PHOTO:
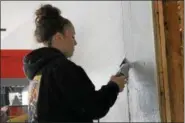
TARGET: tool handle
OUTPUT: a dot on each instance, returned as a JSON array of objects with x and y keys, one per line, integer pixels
[
  {"x": 119, "y": 74},
  {"x": 124, "y": 70}
]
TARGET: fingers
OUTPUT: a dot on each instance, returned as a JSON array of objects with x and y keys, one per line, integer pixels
[
  {"x": 126, "y": 79},
  {"x": 122, "y": 77},
  {"x": 112, "y": 77},
  {"x": 120, "y": 81}
]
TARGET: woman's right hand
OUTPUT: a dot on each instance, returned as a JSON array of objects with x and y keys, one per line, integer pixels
[{"x": 120, "y": 81}]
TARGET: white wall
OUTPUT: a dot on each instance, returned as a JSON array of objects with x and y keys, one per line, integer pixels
[{"x": 106, "y": 32}]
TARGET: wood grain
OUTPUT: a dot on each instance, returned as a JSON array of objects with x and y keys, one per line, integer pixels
[
  {"x": 169, "y": 40},
  {"x": 175, "y": 60},
  {"x": 160, "y": 43}
]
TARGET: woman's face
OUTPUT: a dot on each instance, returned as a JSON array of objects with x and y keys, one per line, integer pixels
[
  {"x": 69, "y": 41},
  {"x": 66, "y": 42}
]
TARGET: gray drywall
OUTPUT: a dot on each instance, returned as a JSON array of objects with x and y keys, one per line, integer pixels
[
  {"x": 139, "y": 48},
  {"x": 106, "y": 31}
]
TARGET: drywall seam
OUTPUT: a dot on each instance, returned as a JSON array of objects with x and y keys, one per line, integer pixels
[
  {"x": 128, "y": 93},
  {"x": 128, "y": 103}
]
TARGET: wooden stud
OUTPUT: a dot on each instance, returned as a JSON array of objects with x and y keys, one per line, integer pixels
[
  {"x": 175, "y": 60},
  {"x": 160, "y": 44},
  {"x": 169, "y": 34}
]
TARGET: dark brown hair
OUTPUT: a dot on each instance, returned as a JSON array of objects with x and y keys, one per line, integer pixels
[{"x": 48, "y": 22}]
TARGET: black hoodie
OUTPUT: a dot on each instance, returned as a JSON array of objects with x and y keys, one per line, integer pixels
[{"x": 66, "y": 93}]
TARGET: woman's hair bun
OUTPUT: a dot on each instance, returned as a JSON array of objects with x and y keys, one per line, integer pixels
[
  {"x": 48, "y": 22},
  {"x": 47, "y": 11}
]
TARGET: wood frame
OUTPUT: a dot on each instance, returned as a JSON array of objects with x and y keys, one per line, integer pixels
[{"x": 170, "y": 58}]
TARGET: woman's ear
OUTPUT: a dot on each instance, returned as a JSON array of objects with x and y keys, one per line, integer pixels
[{"x": 58, "y": 36}]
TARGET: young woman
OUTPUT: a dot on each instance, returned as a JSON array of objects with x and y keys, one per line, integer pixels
[{"x": 60, "y": 90}]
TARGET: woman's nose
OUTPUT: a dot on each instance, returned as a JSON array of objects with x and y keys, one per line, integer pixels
[{"x": 75, "y": 42}]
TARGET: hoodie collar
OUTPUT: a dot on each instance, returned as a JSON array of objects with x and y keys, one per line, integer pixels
[{"x": 37, "y": 59}]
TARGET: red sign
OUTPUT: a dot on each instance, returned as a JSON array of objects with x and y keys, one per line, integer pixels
[{"x": 12, "y": 63}]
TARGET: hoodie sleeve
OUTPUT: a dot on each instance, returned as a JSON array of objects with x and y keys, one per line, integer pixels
[{"x": 80, "y": 94}]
